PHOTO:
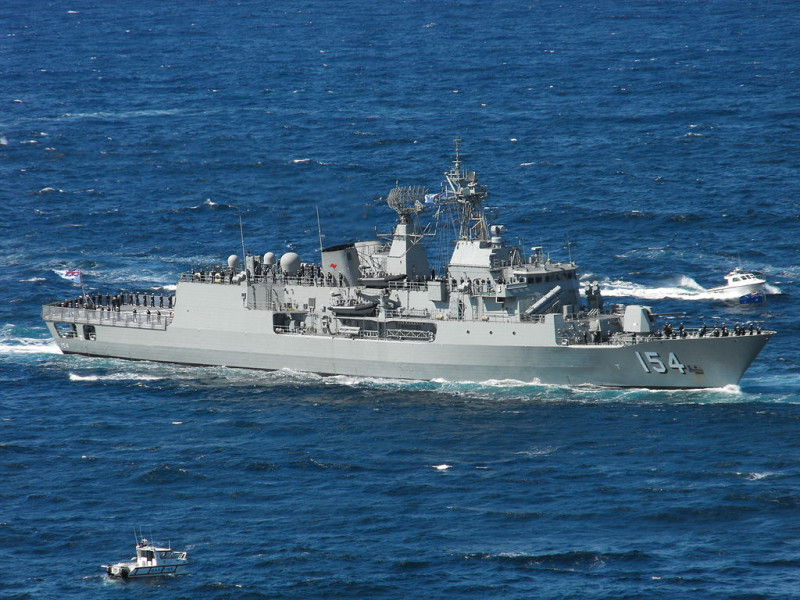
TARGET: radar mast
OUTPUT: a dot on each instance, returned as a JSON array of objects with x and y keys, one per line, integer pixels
[
  {"x": 407, "y": 200},
  {"x": 463, "y": 188}
]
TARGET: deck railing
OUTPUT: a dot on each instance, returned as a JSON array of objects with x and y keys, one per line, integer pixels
[{"x": 123, "y": 318}]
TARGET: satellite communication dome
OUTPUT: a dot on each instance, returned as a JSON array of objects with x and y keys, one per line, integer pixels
[
  {"x": 233, "y": 262},
  {"x": 290, "y": 263},
  {"x": 269, "y": 259}
]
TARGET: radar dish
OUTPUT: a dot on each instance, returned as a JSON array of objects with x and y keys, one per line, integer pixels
[{"x": 406, "y": 200}]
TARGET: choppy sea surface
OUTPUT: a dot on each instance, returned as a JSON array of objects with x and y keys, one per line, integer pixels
[{"x": 656, "y": 143}]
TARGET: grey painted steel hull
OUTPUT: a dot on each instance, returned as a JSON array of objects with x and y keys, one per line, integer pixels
[{"x": 210, "y": 326}]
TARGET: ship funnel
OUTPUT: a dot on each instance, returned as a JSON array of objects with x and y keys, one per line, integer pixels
[{"x": 341, "y": 262}]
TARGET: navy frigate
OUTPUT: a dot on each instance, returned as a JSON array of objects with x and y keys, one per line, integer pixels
[{"x": 379, "y": 308}]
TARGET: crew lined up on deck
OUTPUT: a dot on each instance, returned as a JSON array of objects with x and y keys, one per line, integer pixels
[
  {"x": 114, "y": 303},
  {"x": 313, "y": 274}
]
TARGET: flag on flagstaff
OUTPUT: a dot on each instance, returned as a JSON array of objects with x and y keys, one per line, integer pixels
[{"x": 73, "y": 275}]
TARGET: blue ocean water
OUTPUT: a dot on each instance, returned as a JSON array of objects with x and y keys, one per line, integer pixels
[{"x": 657, "y": 143}]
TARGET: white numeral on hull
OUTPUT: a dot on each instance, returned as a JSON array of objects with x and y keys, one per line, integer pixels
[{"x": 652, "y": 363}]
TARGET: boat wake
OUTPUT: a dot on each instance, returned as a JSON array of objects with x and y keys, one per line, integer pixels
[
  {"x": 124, "y": 376},
  {"x": 28, "y": 346},
  {"x": 685, "y": 288},
  {"x": 525, "y": 391}
]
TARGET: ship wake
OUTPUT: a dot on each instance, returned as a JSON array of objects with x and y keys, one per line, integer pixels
[{"x": 685, "y": 288}]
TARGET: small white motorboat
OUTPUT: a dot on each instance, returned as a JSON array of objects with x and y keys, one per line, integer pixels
[
  {"x": 740, "y": 285},
  {"x": 150, "y": 561}
]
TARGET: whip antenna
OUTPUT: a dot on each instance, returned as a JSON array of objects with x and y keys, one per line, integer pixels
[
  {"x": 319, "y": 231},
  {"x": 241, "y": 232}
]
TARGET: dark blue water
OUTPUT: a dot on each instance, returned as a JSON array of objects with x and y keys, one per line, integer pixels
[{"x": 657, "y": 142}]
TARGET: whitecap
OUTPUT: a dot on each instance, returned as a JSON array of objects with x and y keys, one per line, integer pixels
[
  {"x": 756, "y": 476},
  {"x": 74, "y": 377},
  {"x": 537, "y": 451}
]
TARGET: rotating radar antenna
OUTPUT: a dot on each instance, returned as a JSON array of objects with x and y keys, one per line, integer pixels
[{"x": 407, "y": 200}]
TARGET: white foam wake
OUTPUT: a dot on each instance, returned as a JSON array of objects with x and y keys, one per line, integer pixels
[
  {"x": 685, "y": 288},
  {"x": 10, "y": 346},
  {"x": 115, "y": 377}
]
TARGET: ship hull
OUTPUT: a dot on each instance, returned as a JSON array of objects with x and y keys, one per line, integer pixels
[
  {"x": 130, "y": 571},
  {"x": 206, "y": 333},
  {"x": 602, "y": 366}
]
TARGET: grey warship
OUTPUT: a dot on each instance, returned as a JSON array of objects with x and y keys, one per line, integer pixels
[{"x": 378, "y": 309}]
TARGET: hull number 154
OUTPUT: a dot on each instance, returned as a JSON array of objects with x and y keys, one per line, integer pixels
[{"x": 653, "y": 363}]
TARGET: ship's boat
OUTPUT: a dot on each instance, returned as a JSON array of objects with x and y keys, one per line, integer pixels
[
  {"x": 741, "y": 285},
  {"x": 738, "y": 283},
  {"x": 380, "y": 281},
  {"x": 354, "y": 309}
]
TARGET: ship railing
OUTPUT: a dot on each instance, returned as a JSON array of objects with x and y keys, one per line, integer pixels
[
  {"x": 352, "y": 331},
  {"x": 534, "y": 318},
  {"x": 417, "y": 286},
  {"x": 269, "y": 304},
  {"x": 304, "y": 280},
  {"x": 593, "y": 314},
  {"x": 123, "y": 318},
  {"x": 629, "y": 339},
  {"x": 218, "y": 277},
  {"x": 414, "y": 313},
  {"x": 515, "y": 318},
  {"x": 308, "y": 280},
  {"x": 301, "y": 329},
  {"x": 408, "y": 334}
]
